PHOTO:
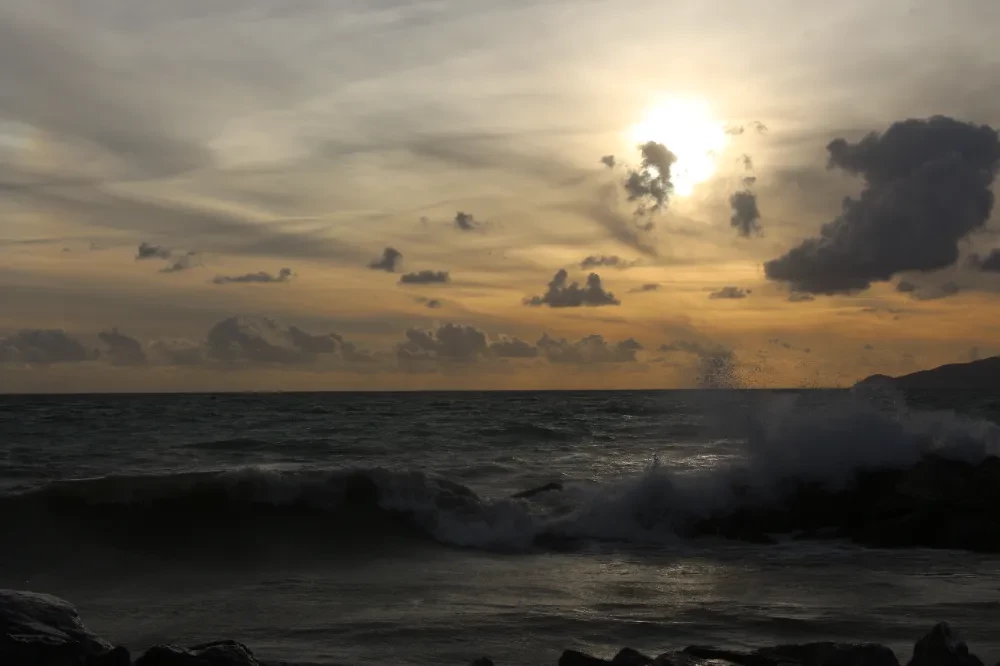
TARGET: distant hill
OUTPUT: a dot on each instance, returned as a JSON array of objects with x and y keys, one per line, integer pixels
[{"x": 984, "y": 374}]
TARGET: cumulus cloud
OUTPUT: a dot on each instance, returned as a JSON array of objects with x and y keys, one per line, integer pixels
[
  {"x": 564, "y": 294},
  {"x": 466, "y": 221},
  {"x": 746, "y": 216},
  {"x": 181, "y": 262},
  {"x": 643, "y": 288},
  {"x": 614, "y": 261},
  {"x": 426, "y": 277},
  {"x": 988, "y": 264},
  {"x": 450, "y": 342},
  {"x": 650, "y": 186},
  {"x": 906, "y": 287},
  {"x": 177, "y": 352},
  {"x": 149, "y": 251},
  {"x": 509, "y": 347},
  {"x": 730, "y": 292},
  {"x": 609, "y": 161},
  {"x": 591, "y": 349},
  {"x": 927, "y": 185},
  {"x": 122, "y": 349},
  {"x": 388, "y": 261},
  {"x": 44, "y": 346},
  {"x": 263, "y": 340},
  {"x": 260, "y": 277}
]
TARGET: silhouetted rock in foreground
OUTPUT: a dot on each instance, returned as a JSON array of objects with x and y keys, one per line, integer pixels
[
  {"x": 936, "y": 503},
  {"x": 41, "y": 630}
]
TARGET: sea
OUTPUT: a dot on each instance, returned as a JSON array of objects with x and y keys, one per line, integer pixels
[{"x": 186, "y": 518}]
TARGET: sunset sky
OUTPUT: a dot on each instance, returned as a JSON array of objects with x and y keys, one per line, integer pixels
[{"x": 194, "y": 195}]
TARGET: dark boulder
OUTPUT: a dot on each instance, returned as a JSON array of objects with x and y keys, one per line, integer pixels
[
  {"x": 831, "y": 654},
  {"x": 629, "y": 657},
  {"x": 942, "y": 647},
  {"x": 42, "y": 630},
  {"x": 218, "y": 653},
  {"x": 574, "y": 658}
]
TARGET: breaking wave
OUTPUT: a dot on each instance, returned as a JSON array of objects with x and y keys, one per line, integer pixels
[{"x": 825, "y": 444}]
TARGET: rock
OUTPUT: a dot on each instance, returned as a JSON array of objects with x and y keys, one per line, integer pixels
[
  {"x": 831, "y": 654},
  {"x": 941, "y": 647},
  {"x": 574, "y": 658},
  {"x": 482, "y": 661},
  {"x": 42, "y": 630},
  {"x": 741, "y": 658},
  {"x": 629, "y": 657},
  {"x": 218, "y": 653},
  {"x": 548, "y": 487}
]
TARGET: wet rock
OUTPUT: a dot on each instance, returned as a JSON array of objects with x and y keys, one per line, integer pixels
[
  {"x": 548, "y": 487},
  {"x": 218, "y": 653},
  {"x": 942, "y": 647},
  {"x": 831, "y": 654},
  {"x": 731, "y": 656},
  {"x": 574, "y": 658},
  {"x": 42, "y": 630},
  {"x": 482, "y": 661},
  {"x": 629, "y": 657}
]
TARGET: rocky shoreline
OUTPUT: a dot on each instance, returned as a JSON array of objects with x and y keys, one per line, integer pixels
[{"x": 42, "y": 630}]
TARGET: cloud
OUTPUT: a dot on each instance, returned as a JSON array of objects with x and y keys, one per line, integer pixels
[
  {"x": 263, "y": 340},
  {"x": 746, "y": 216},
  {"x": 149, "y": 251},
  {"x": 562, "y": 294},
  {"x": 988, "y": 264},
  {"x": 44, "y": 346},
  {"x": 591, "y": 349},
  {"x": 716, "y": 367},
  {"x": 432, "y": 303},
  {"x": 730, "y": 292},
  {"x": 450, "y": 342},
  {"x": 177, "y": 352},
  {"x": 260, "y": 277},
  {"x": 426, "y": 277},
  {"x": 906, "y": 287},
  {"x": 613, "y": 261},
  {"x": 926, "y": 186},
  {"x": 800, "y": 297},
  {"x": 624, "y": 228},
  {"x": 650, "y": 286},
  {"x": 747, "y": 162},
  {"x": 609, "y": 161},
  {"x": 466, "y": 222},
  {"x": 650, "y": 185},
  {"x": 755, "y": 125},
  {"x": 122, "y": 349},
  {"x": 181, "y": 262},
  {"x": 508, "y": 347},
  {"x": 388, "y": 261}
]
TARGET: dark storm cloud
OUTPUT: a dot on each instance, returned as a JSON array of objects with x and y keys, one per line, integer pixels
[
  {"x": 260, "y": 277},
  {"x": 426, "y": 277},
  {"x": 906, "y": 287},
  {"x": 44, "y": 346},
  {"x": 651, "y": 286},
  {"x": 614, "y": 261},
  {"x": 729, "y": 292},
  {"x": 149, "y": 251},
  {"x": 263, "y": 340},
  {"x": 591, "y": 349},
  {"x": 563, "y": 294},
  {"x": 988, "y": 264},
  {"x": 181, "y": 262},
  {"x": 650, "y": 186},
  {"x": 926, "y": 186},
  {"x": 122, "y": 349},
  {"x": 388, "y": 261},
  {"x": 746, "y": 216}
]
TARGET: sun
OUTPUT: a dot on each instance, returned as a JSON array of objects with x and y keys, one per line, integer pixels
[{"x": 688, "y": 128}]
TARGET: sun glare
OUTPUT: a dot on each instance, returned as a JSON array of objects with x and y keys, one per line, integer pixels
[{"x": 688, "y": 129}]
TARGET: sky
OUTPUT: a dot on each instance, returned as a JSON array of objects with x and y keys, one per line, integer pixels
[{"x": 462, "y": 194}]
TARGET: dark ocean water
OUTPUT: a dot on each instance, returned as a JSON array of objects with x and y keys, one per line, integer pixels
[{"x": 186, "y": 518}]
